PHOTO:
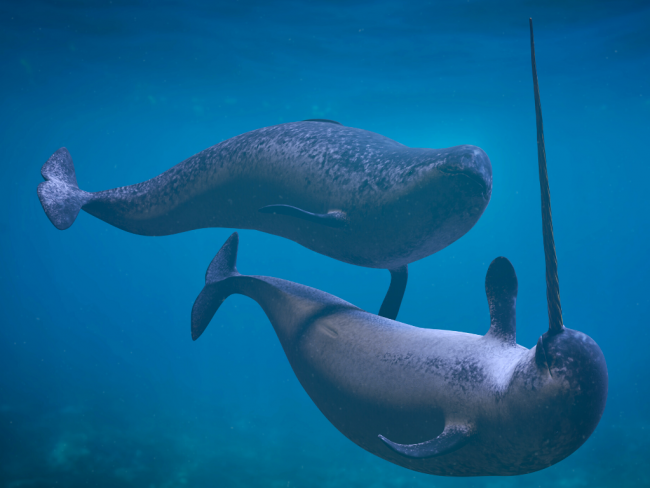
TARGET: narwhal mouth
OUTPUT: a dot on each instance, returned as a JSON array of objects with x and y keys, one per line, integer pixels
[{"x": 472, "y": 175}]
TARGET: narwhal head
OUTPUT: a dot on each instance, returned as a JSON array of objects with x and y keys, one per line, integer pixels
[
  {"x": 462, "y": 189},
  {"x": 462, "y": 184},
  {"x": 558, "y": 391},
  {"x": 566, "y": 369},
  {"x": 468, "y": 169},
  {"x": 441, "y": 198},
  {"x": 573, "y": 381}
]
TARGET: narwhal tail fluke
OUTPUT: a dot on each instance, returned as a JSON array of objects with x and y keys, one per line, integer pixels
[
  {"x": 289, "y": 306},
  {"x": 218, "y": 286},
  {"x": 59, "y": 194}
]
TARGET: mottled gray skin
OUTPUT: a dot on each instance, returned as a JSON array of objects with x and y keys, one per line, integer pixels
[
  {"x": 522, "y": 409},
  {"x": 400, "y": 204}
]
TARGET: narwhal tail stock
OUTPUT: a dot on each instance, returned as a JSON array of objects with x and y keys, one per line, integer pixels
[
  {"x": 217, "y": 286},
  {"x": 59, "y": 194},
  {"x": 289, "y": 306}
]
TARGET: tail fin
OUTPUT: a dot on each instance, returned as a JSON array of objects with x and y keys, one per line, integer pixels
[
  {"x": 217, "y": 285},
  {"x": 59, "y": 194}
]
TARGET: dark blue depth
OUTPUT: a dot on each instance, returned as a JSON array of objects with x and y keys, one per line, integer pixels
[{"x": 100, "y": 382}]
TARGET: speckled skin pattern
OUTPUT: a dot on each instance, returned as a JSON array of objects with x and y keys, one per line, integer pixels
[
  {"x": 402, "y": 204},
  {"x": 527, "y": 408}
]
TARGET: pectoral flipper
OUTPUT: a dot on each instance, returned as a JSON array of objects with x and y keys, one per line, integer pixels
[{"x": 454, "y": 437}]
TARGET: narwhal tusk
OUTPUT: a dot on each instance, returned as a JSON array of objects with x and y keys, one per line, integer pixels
[{"x": 552, "y": 283}]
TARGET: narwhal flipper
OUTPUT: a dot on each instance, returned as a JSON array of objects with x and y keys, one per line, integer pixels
[
  {"x": 59, "y": 194},
  {"x": 501, "y": 290},
  {"x": 452, "y": 438},
  {"x": 393, "y": 299},
  {"x": 331, "y": 219}
]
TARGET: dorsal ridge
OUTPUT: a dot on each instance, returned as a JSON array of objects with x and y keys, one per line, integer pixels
[{"x": 501, "y": 290}]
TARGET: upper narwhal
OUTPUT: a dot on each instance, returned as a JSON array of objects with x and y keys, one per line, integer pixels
[{"x": 347, "y": 193}]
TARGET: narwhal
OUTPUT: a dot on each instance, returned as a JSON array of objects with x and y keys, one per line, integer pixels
[
  {"x": 436, "y": 401},
  {"x": 347, "y": 193}
]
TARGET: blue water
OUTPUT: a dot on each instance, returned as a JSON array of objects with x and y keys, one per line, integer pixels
[{"x": 100, "y": 383}]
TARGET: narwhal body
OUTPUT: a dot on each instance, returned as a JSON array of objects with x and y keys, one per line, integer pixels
[
  {"x": 436, "y": 401},
  {"x": 347, "y": 193}
]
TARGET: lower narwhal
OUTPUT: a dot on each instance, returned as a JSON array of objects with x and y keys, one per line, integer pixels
[{"x": 435, "y": 401}]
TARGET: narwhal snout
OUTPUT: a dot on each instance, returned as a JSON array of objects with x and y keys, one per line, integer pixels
[
  {"x": 577, "y": 365},
  {"x": 472, "y": 163}
]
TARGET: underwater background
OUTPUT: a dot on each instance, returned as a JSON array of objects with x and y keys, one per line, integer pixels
[{"x": 100, "y": 382}]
